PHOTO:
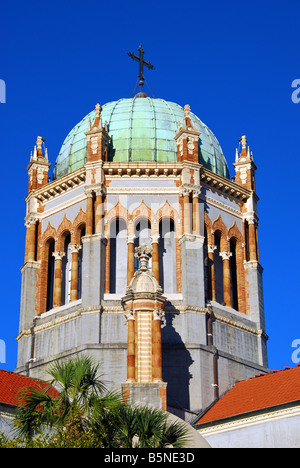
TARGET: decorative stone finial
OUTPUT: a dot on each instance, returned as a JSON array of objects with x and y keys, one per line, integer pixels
[
  {"x": 98, "y": 110},
  {"x": 39, "y": 142},
  {"x": 243, "y": 140},
  {"x": 143, "y": 254},
  {"x": 187, "y": 110}
]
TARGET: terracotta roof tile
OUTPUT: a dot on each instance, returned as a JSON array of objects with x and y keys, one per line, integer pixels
[
  {"x": 11, "y": 383},
  {"x": 258, "y": 392}
]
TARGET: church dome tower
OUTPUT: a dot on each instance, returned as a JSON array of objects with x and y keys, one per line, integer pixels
[{"x": 144, "y": 172}]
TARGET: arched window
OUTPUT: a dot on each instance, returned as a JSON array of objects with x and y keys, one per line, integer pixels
[
  {"x": 218, "y": 265},
  {"x": 167, "y": 256},
  {"x": 142, "y": 234},
  {"x": 233, "y": 275},
  {"x": 50, "y": 274},
  {"x": 118, "y": 257},
  {"x": 66, "y": 272}
]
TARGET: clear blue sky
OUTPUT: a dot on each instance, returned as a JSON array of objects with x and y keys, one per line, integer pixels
[{"x": 234, "y": 63}]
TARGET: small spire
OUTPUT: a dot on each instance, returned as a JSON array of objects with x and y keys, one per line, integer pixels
[
  {"x": 40, "y": 140},
  {"x": 187, "y": 110},
  {"x": 98, "y": 117},
  {"x": 243, "y": 140},
  {"x": 187, "y": 119},
  {"x": 98, "y": 110},
  {"x": 34, "y": 157}
]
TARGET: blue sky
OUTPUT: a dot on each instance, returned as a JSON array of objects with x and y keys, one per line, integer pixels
[{"x": 234, "y": 63}]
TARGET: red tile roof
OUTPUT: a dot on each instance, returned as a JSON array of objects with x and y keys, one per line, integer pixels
[
  {"x": 257, "y": 393},
  {"x": 11, "y": 383}
]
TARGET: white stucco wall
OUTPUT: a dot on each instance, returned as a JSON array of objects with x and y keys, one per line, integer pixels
[{"x": 277, "y": 429}]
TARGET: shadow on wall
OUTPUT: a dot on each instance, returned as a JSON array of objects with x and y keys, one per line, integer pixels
[{"x": 176, "y": 361}]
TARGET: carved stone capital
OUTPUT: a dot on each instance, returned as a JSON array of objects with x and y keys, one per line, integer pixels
[
  {"x": 184, "y": 192},
  {"x": 158, "y": 314},
  {"x": 155, "y": 238},
  {"x": 74, "y": 248},
  {"x": 31, "y": 219},
  {"x": 58, "y": 255},
  {"x": 211, "y": 248},
  {"x": 196, "y": 193},
  {"x": 225, "y": 255},
  {"x": 130, "y": 239},
  {"x": 129, "y": 315}
]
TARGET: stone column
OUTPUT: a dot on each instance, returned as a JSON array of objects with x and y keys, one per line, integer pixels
[
  {"x": 89, "y": 214},
  {"x": 155, "y": 256},
  {"x": 98, "y": 211},
  {"x": 30, "y": 240},
  {"x": 226, "y": 278},
  {"x": 252, "y": 241},
  {"x": 130, "y": 258},
  {"x": 57, "y": 278},
  {"x": 156, "y": 346},
  {"x": 211, "y": 269},
  {"x": 129, "y": 316},
  {"x": 74, "y": 272},
  {"x": 186, "y": 212},
  {"x": 196, "y": 214}
]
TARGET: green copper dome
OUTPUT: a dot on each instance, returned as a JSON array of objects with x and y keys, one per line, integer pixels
[{"x": 141, "y": 129}]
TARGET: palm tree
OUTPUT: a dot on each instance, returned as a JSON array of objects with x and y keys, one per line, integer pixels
[
  {"x": 80, "y": 392},
  {"x": 84, "y": 408},
  {"x": 147, "y": 427}
]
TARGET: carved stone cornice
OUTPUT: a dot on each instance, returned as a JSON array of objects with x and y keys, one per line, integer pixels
[
  {"x": 61, "y": 185},
  {"x": 224, "y": 185}
]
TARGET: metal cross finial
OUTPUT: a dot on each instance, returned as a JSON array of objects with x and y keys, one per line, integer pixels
[{"x": 142, "y": 62}]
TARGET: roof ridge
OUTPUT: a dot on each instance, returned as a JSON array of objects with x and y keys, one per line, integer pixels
[
  {"x": 16, "y": 374},
  {"x": 271, "y": 372}
]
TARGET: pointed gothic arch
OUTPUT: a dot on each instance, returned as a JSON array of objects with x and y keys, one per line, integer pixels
[{"x": 237, "y": 268}]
